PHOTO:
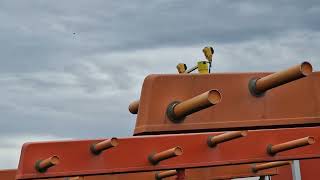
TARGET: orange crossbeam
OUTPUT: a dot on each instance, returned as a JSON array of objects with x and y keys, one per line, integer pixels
[{"x": 132, "y": 154}]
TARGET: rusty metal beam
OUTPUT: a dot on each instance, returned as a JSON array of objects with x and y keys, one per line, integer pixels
[{"x": 132, "y": 153}]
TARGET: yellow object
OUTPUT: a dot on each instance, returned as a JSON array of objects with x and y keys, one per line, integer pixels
[
  {"x": 203, "y": 67},
  {"x": 181, "y": 68},
  {"x": 208, "y": 52}
]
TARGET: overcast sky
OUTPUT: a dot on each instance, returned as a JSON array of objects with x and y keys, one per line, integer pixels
[{"x": 70, "y": 68}]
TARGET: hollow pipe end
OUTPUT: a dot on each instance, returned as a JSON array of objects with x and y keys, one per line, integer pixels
[
  {"x": 244, "y": 133},
  {"x": 311, "y": 140},
  {"x": 171, "y": 115},
  {"x": 214, "y": 96},
  {"x": 306, "y": 68},
  {"x": 253, "y": 89},
  {"x": 54, "y": 160},
  {"x": 134, "y": 107},
  {"x": 114, "y": 142},
  {"x": 178, "y": 151},
  {"x": 269, "y": 150}
]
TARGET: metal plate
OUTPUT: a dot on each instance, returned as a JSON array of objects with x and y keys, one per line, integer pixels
[
  {"x": 291, "y": 105},
  {"x": 131, "y": 155}
]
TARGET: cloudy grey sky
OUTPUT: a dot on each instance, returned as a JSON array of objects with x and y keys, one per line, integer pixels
[{"x": 70, "y": 68}]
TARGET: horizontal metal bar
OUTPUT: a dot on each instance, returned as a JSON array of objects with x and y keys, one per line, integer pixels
[{"x": 131, "y": 155}]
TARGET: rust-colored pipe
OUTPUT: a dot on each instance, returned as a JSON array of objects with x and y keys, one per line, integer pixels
[
  {"x": 177, "y": 111},
  {"x": 170, "y": 153},
  {"x": 215, "y": 140},
  {"x": 258, "y": 86},
  {"x": 270, "y": 165},
  {"x": 134, "y": 107},
  {"x": 165, "y": 174},
  {"x": 104, "y": 145},
  {"x": 43, "y": 165},
  {"x": 274, "y": 149}
]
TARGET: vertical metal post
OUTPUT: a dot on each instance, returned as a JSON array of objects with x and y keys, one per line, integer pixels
[
  {"x": 265, "y": 178},
  {"x": 295, "y": 168}
]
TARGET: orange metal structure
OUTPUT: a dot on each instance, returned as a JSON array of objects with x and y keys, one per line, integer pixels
[
  {"x": 290, "y": 105},
  {"x": 9, "y": 174},
  {"x": 198, "y": 126},
  {"x": 132, "y": 154}
]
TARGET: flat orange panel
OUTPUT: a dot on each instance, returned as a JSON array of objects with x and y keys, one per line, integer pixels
[
  {"x": 293, "y": 104},
  {"x": 131, "y": 155},
  {"x": 9, "y": 174}
]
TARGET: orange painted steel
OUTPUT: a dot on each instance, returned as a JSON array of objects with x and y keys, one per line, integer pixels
[
  {"x": 177, "y": 111},
  {"x": 274, "y": 149},
  {"x": 104, "y": 145},
  {"x": 250, "y": 149},
  {"x": 170, "y": 153},
  {"x": 206, "y": 173},
  {"x": 227, "y": 172},
  {"x": 290, "y": 105},
  {"x": 43, "y": 165},
  {"x": 134, "y": 107},
  {"x": 8, "y": 174},
  {"x": 309, "y": 170},
  {"x": 261, "y": 85},
  {"x": 215, "y": 140},
  {"x": 270, "y": 165},
  {"x": 165, "y": 174}
]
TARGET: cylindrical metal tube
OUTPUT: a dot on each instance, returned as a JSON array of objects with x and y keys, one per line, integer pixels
[
  {"x": 258, "y": 86},
  {"x": 134, "y": 107},
  {"x": 274, "y": 149},
  {"x": 43, "y": 165},
  {"x": 177, "y": 111},
  {"x": 170, "y": 153},
  {"x": 215, "y": 140},
  {"x": 191, "y": 69},
  {"x": 165, "y": 174},
  {"x": 270, "y": 165},
  {"x": 104, "y": 145}
]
